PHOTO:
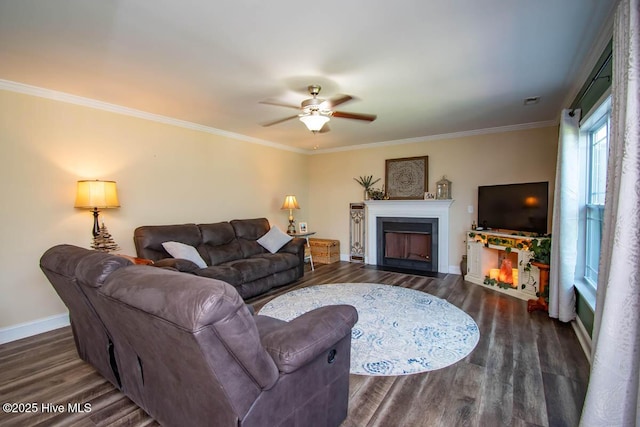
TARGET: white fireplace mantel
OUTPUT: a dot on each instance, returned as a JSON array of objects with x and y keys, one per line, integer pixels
[{"x": 410, "y": 209}]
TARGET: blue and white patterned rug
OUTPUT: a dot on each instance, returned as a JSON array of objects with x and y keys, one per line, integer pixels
[{"x": 400, "y": 331}]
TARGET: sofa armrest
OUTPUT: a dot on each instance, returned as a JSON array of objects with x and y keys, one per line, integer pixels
[
  {"x": 294, "y": 246},
  {"x": 183, "y": 265},
  {"x": 301, "y": 340}
]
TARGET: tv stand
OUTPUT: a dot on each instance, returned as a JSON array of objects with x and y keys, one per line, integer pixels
[{"x": 486, "y": 250}]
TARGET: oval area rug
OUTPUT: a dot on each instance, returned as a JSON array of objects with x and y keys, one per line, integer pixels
[{"x": 399, "y": 331}]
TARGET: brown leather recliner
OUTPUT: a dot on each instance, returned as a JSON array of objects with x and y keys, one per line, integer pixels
[
  {"x": 230, "y": 250},
  {"x": 93, "y": 341},
  {"x": 189, "y": 352}
]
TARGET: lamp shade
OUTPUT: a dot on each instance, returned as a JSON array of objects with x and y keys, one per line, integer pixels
[
  {"x": 314, "y": 121},
  {"x": 97, "y": 194},
  {"x": 290, "y": 202}
]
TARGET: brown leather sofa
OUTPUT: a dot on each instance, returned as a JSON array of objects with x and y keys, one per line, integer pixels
[
  {"x": 230, "y": 250},
  {"x": 188, "y": 351}
]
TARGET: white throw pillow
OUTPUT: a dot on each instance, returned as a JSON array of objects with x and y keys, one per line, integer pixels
[
  {"x": 182, "y": 251},
  {"x": 274, "y": 240}
]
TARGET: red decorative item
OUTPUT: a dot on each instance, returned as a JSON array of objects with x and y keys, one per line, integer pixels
[{"x": 506, "y": 271}]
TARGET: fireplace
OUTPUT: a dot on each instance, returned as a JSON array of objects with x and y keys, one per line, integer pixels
[
  {"x": 414, "y": 209},
  {"x": 410, "y": 243}
]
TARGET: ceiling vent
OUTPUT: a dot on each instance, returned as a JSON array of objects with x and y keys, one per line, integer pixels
[{"x": 531, "y": 100}]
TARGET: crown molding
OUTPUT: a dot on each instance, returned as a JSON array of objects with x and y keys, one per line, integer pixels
[
  {"x": 464, "y": 134},
  {"x": 131, "y": 112}
]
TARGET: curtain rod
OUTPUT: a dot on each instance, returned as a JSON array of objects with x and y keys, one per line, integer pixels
[{"x": 591, "y": 83}]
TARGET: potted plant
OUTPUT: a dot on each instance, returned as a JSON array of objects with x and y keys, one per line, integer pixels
[
  {"x": 541, "y": 258},
  {"x": 367, "y": 182},
  {"x": 541, "y": 251}
]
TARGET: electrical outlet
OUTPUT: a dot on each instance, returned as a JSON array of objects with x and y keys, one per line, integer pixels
[{"x": 470, "y": 208}]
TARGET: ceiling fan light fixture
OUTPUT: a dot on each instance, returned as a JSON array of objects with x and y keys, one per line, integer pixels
[
  {"x": 314, "y": 122},
  {"x": 315, "y": 112}
]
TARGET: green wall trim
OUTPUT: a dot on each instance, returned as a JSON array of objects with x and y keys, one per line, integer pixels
[
  {"x": 585, "y": 314},
  {"x": 597, "y": 83}
]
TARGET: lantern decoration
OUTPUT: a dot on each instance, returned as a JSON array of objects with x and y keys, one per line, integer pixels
[{"x": 443, "y": 188}]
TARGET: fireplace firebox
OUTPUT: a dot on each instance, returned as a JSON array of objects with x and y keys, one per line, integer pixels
[{"x": 409, "y": 243}]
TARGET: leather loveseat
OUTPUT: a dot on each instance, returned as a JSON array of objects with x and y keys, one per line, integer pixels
[
  {"x": 231, "y": 253},
  {"x": 188, "y": 351}
]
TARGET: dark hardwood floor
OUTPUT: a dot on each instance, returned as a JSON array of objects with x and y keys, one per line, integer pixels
[{"x": 527, "y": 370}]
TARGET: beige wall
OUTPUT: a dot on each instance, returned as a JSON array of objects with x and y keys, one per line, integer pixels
[
  {"x": 499, "y": 158},
  {"x": 165, "y": 174},
  {"x": 168, "y": 174}
]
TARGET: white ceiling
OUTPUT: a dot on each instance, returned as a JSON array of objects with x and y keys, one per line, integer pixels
[{"x": 425, "y": 67}]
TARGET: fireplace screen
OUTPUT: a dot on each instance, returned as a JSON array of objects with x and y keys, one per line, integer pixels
[{"x": 408, "y": 245}]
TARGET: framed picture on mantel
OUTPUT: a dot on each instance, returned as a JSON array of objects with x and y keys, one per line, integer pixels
[{"x": 407, "y": 178}]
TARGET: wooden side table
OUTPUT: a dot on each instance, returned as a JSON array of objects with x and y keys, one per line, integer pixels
[
  {"x": 541, "y": 302},
  {"x": 307, "y": 248}
]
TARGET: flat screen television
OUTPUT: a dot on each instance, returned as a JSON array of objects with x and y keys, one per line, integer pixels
[{"x": 515, "y": 207}]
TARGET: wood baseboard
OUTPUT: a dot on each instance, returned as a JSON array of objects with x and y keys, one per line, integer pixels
[{"x": 27, "y": 329}]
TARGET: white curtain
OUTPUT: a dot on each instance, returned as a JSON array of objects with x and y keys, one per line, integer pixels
[
  {"x": 613, "y": 394},
  {"x": 564, "y": 241}
]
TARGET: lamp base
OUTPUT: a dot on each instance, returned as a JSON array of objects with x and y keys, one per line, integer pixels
[
  {"x": 291, "y": 229},
  {"x": 96, "y": 227}
]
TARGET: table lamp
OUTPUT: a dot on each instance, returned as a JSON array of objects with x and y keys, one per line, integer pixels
[
  {"x": 96, "y": 195},
  {"x": 290, "y": 203}
]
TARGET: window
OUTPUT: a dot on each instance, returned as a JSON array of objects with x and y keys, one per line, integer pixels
[
  {"x": 595, "y": 139},
  {"x": 598, "y": 144}
]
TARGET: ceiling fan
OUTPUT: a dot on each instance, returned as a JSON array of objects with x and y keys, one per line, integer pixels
[{"x": 316, "y": 112}]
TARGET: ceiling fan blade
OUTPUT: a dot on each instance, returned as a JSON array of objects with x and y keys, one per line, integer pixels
[
  {"x": 279, "y": 104},
  {"x": 339, "y": 99},
  {"x": 355, "y": 116},
  {"x": 279, "y": 121}
]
